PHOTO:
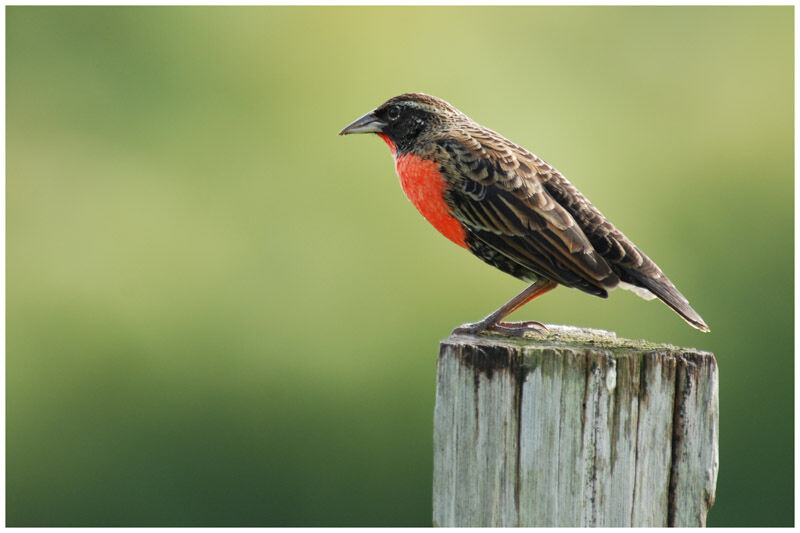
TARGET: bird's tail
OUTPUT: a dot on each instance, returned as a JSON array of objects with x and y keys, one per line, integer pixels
[{"x": 664, "y": 289}]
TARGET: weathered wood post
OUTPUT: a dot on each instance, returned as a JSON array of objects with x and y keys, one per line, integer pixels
[{"x": 576, "y": 429}]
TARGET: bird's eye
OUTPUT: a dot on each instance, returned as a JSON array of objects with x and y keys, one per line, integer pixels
[{"x": 393, "y": 113}]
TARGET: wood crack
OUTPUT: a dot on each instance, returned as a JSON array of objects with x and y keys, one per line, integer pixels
[{"x": 677, "y": 436}]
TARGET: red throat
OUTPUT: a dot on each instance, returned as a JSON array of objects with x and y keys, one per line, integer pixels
[
  {"x": 424, "y": 185},
  {"x": 387, "y": 140}
]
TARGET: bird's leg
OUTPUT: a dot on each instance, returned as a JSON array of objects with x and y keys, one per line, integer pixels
[{"x": 492, "y": 322}]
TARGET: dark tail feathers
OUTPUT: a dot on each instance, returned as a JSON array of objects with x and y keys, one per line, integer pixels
[{"x": 664, "y": 289}]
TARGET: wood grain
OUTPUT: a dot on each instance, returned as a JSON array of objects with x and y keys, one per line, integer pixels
[{"x": 577, "y": 429}]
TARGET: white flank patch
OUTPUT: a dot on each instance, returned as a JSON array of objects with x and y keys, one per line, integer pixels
[{"x": 639, "y": 291}]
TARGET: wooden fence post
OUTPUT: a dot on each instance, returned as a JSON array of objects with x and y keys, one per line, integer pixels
[{"x": 576, "y": 429}]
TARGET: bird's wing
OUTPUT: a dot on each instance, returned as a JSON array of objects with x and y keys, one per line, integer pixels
[
  {"x": 628, "y": 261},
  {"x": 523, "y": 208},
  {"x": 497, "y": 193}
]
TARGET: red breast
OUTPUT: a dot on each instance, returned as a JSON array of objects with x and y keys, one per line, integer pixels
[{"x": 424, "y": 185}]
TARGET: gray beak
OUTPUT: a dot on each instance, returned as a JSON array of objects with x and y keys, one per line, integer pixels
[{"x": 369, "y": 123}]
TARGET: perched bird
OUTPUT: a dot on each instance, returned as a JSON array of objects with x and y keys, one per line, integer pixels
[{"x": 511, "y": 209}]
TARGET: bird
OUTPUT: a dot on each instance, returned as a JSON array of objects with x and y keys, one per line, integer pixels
[{"x": 511, "y": 209}]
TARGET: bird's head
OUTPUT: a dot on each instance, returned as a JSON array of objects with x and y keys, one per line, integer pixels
[{"x": 407, "y": 119}]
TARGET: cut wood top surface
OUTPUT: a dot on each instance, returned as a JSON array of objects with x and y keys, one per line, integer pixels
[{"x": 575, "y": 337}]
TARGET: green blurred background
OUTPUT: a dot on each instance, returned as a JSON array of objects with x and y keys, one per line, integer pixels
[{"x": 221, "y": 313}]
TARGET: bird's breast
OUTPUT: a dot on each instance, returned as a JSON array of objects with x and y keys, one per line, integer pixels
[{"x": 425, "y": 186}]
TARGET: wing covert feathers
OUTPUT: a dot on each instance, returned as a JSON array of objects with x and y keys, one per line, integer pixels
[{"x": 515, "y": 204}]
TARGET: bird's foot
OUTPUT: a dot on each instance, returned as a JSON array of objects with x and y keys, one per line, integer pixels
[
  {"x": 511, "y": 329},
  {"x": 520, "y": 329}
]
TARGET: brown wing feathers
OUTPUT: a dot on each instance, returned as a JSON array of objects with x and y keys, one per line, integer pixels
[
  {"x": 521, "y": 208},
  {"x": 630, "y": 263},
  {"x": 501, "y": 200}
]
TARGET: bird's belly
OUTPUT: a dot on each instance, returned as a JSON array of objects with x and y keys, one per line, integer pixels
[{"x": 424, "y": 186}]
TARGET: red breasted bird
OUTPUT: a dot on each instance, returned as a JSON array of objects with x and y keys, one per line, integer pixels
[{"x": 511, "y": 209}]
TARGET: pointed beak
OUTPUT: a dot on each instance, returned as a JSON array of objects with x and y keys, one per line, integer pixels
[{"x": 369, "y": 123}]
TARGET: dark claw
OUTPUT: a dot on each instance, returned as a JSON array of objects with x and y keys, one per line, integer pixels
[
  {"x": 533, "y": 324},
  {"x": 473, "y": 329}
]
